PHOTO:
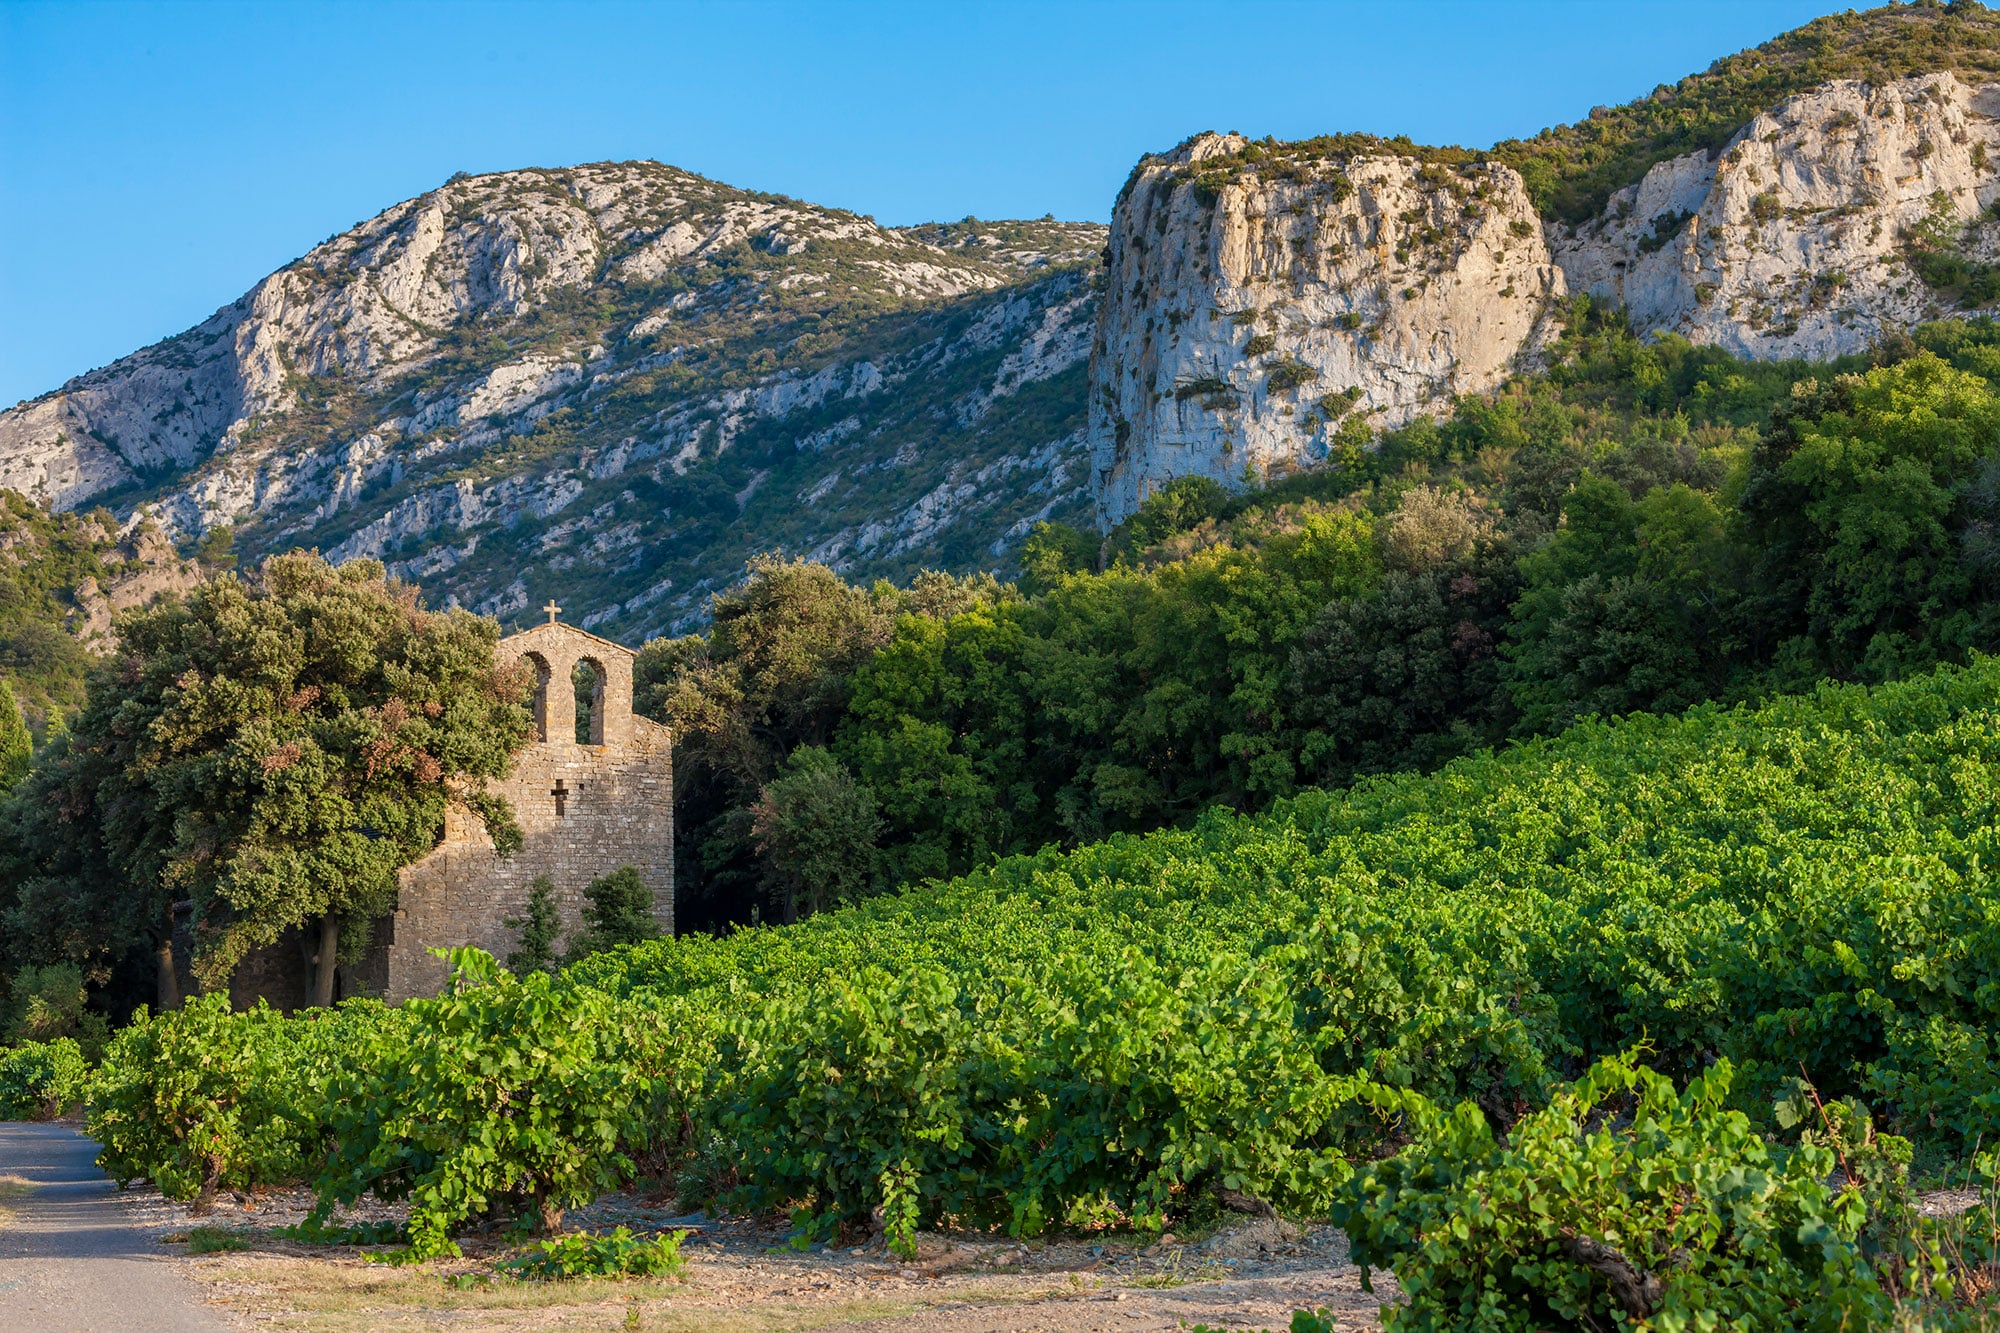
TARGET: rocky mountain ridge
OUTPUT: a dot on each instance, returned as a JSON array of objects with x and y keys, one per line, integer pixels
[
  {"x": 610, "y": 383},
  {"x": 613, "y": 384}
]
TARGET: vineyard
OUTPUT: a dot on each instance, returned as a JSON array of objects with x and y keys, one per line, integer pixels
[{"x": 1364, "y": 1005}]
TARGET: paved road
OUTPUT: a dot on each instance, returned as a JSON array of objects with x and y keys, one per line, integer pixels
[{"x": 70, "y": 1260}]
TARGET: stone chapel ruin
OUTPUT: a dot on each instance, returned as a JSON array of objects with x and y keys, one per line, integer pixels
[
  {"x": 591, "y": 795},
  {"x": 592, "y": 792}
]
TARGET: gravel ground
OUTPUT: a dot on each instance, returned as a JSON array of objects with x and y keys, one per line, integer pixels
[
  {"x": 741, "y": 1274},
  {"x": 742, "y": 1277}
]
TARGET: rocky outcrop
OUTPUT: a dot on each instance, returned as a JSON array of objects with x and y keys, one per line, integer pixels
[
  {"x": 609, "y": 384},
  {"x": 1265, "y": 298},
  {"x": 1259, "y": 297},
  {"x": 1792, "y": 241},
  {"x": 144, "y": 568}
]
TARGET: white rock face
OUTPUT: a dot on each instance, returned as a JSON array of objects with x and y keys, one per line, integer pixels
[
  {"x": 47, "y": 452},
  {"x": 610, "y": 383},
  {"x": 516, "y": 386},
  {"x": 374, "y": 306},
  {"x": 1409, "y": 283},
  {"x": 1232, "y": 310},
  {"x": 1790, "y": 242}
]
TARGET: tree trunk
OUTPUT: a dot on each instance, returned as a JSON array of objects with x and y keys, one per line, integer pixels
[
  {"x": 329, "y": 949},
  {"x": 169, "y": 997},
  {"x": 204, "y": 1199},
  {"x": 169, "y": 989},
  {"x": 1633, "y": 1287}
]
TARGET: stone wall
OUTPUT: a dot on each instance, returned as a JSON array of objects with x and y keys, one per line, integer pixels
[{"x": 615, "y": 809}]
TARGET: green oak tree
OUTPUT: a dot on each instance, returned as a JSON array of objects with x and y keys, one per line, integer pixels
[
  {"x": 271, "y": 751},
  {"x": 816, "y": 828},
  {"x": 1857, "y": 500}
]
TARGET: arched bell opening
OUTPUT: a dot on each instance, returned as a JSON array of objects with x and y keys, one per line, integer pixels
[
  {"x": 588, "y": 679},
  {"x": 541, "y": 702}
]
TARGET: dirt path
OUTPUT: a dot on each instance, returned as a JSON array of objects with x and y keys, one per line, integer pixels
[{"x": 72, "y": 1255}]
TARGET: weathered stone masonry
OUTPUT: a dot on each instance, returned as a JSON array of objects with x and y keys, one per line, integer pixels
[{"x": 584, "y": 811}]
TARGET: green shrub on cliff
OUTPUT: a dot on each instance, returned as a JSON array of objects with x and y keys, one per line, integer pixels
[{"x": 1571, "y": 170}]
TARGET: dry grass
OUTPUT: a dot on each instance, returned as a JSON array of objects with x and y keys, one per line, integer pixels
[
  {"x": 1177, "y": 1273},
  {"x": 329, "y": 1295},
  {"x": 1978, "y": 1283},
  {"x": 210, "y": 1240},
  {"x": 12, "y": 1187},
  {"x": 740, "y": 1279}
]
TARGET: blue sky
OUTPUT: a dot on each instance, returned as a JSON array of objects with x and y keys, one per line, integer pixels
[{"x": 157, "y": 159}]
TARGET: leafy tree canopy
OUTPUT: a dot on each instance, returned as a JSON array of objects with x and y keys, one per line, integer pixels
[
  {"x": 17, "y": 748},
  {"x": 271, "y": 749},
  {"x": 816, "y": 829},
  {"x": 1646, "y": 525}
]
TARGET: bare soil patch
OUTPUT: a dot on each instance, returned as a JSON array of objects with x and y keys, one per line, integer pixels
[{"x": 742, "y": 1277}]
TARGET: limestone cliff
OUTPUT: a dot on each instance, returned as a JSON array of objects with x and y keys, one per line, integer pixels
[
  {"x": 1260, "y": 296},
  {"x": 1794, "y": 239},
  {"x": 609, "y": 384},
  {"x": 1267, "y": 300}
]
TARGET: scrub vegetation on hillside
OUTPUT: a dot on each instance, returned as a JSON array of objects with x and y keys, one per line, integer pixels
[
  {"x": 1571, "y": 171},
  {"x": 1645, "y": 527}
]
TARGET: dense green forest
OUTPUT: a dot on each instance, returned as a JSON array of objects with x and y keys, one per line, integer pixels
[
  {"x": 1645, "y": 526},
  {"x": 1640, "y": 527}
]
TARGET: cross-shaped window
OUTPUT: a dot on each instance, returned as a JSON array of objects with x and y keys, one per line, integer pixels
[{"x": 562, "y": 794}]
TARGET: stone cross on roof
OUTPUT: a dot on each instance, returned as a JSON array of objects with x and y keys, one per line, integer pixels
[{"x": 553, "y": 610}]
